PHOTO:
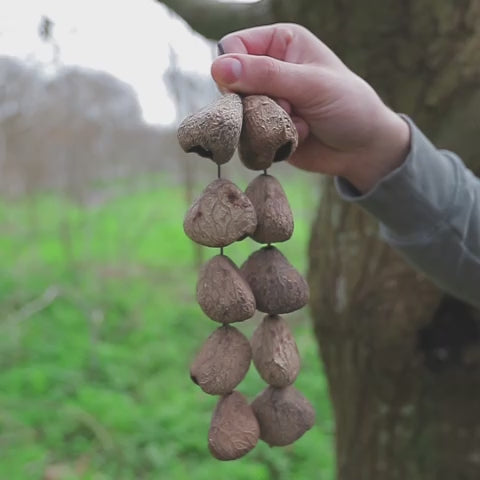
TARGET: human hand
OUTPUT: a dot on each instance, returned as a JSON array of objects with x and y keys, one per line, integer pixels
[{"x": 344, "y": 128}]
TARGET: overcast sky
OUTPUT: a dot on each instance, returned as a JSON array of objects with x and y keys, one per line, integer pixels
[{"x": 128, "y": 38}]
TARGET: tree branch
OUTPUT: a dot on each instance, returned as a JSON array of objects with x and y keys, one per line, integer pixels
[{"x": 214, "y": 19}]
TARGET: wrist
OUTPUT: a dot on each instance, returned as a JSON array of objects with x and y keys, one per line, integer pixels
[{"x": 387, "y": 152}]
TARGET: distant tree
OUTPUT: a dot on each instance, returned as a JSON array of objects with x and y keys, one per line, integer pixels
[
  {"x": 64, "y": 130},
  {"x": 402, "y": 358},
  {"x": 190, "y": 92}
]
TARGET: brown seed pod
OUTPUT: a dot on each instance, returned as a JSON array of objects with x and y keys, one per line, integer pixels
[
  {"x": 222, "y": 292},
  {"x": 234, "y": 430},
  {"x": 222, "y": 215},
  {"x": 268, "y": 133},
  {"x": 274, "y": 216},
  {"x": 222, "y": 362},
  {"x": 214, "y": 131},
  {"x": 274, "y": 352},
  {"x": 278, "y": 288},
  {"x": 283, "y": 414}
]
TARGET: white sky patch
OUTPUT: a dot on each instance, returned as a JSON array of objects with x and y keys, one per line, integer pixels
[{"x": 127, "y": 38}]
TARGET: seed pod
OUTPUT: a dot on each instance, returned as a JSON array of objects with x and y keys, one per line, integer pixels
[
  {"x": 222, "y": 215},
  {"x": 222, "y": 362},
  {"x": 214, "y": 131},
  {"x": 278, "y": 288},
  {"x": 222, "y": 292},
  {"x": 234, "y": 430},
  {"x": 283, "y": 414},
  {"x": 274, "y": 216},
  {"x": 274, "y": 352},
  {"x": 268, "y": 133}
]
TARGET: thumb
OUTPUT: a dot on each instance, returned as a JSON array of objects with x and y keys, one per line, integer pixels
[{"x": 255, "y": 74}]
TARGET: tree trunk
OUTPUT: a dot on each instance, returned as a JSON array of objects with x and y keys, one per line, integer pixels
[{"x": 402, "y": 359}]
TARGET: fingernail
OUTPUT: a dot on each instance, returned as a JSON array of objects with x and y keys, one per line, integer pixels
[
  {"x": 231, "y": 69},
  {"x": 220, "y": 49}
]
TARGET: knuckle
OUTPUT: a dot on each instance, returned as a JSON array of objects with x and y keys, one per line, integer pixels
[
  {"x": 271, "y": 70},
  {"x": 292, "y": 28}
]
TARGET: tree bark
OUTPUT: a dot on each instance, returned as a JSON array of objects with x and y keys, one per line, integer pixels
[
  {"x": 401, "y": 357},
  {"x": 215, "y": 19}
]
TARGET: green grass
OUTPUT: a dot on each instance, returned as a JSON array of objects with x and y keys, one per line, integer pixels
[{"x": 98, "y": 325}]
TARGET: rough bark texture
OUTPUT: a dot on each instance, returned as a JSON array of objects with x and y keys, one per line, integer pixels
[
  {"x": 402, "y": 359},
  {"x": 214, "y": 19}
]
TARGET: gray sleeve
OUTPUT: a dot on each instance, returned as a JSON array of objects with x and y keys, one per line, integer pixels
[{"x": 429, "y": 210}]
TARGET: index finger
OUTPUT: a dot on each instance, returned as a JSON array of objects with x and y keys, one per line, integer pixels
[
  {"x": 284, "y": 41},
  {"x": 270, "y": 40}
]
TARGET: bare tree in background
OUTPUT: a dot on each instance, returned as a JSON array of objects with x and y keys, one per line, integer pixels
[
  {"x": 45, "y": 31},
  {"x": 190, "y": 92},
  {"x": 402, "y": 358},
  {"x": 64, "y": 131}
]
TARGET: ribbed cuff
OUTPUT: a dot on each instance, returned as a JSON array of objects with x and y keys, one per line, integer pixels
[{"x": 412, "y": 200}]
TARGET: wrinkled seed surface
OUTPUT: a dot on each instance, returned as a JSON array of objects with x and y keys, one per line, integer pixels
[
  {"x": 234, "y": 429},
  {"x": 222, "y": 362},
  {"x": 220, "y": 216}
]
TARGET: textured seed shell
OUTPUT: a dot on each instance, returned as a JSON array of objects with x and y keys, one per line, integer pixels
[
  {"x": 268, "y": 133},
  {"x": 274, "y": 215},
  {"x": 234, "y": 430},
  {"x": 274, "y": 352},
  {"x": 222, "y": 362},
  {"x": 214, "y": 131},
  {"x": 222, "y": 215},
  {"x": 283, "y": 414},
  {"x": 222, "y": 292},
  {"x": 278, "y": 288}
]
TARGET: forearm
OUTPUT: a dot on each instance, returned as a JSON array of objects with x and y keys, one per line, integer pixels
[{"x": 429, "y": 210}]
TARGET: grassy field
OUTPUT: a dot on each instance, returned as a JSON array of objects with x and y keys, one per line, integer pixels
[{"x": 98, "y": 325}]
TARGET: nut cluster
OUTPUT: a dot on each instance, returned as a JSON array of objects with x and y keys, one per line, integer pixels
[{"x": 223, "y": 214}]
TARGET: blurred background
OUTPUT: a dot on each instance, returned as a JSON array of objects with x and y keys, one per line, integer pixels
[{"x": 98, "y": 320}]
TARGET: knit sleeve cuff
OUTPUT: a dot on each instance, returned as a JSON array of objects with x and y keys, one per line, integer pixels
[{"x": 412, "y": 199}]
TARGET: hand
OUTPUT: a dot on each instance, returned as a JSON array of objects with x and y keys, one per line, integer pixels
[{"x": 344, "y": 128}]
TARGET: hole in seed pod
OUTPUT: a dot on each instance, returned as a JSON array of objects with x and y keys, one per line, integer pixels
[
  {"x": 283, "y": 152},
  {"x": 201, "y": 151},
  {"x": 232, "y": 197},
  {"x": 194, "y": 379}
]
